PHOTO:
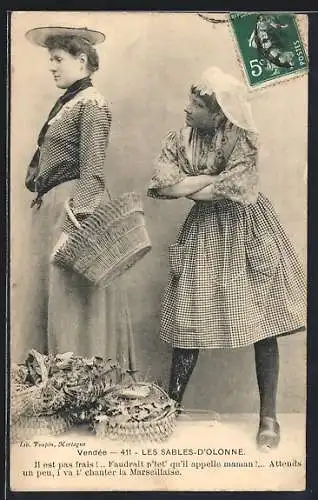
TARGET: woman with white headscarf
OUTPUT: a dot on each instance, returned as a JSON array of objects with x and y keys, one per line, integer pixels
[{"x": 235, "y": 279}]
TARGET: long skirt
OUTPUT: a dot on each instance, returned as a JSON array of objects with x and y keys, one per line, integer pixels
[
  {"x": 58, "y": 310},
  {"x": 234, "y": 278}
]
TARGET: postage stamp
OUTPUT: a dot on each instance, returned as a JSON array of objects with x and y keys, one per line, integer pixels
[{"x": 270, "y": 46}]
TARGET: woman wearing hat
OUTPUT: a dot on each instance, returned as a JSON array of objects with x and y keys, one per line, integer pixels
[
  {"x": 235, "y": 279},
  {"x": 62, "y": 311}
]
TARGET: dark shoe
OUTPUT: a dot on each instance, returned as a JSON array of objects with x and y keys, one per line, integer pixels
[{"x": 268, "y": 435}]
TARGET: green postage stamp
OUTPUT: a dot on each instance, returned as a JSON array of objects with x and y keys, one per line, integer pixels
[{"x": 270, "y": 46}]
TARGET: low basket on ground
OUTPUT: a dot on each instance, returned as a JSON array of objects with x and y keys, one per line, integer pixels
[
  {"x": 33, "y": 397},
  {"x": 139, "y": 412},
  {"x": 28, "y": 427},
  {"x": 49, "y": 392},
  {"x": 108, "y": 242}
]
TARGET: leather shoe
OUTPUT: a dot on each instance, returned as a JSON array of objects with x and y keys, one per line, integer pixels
[{"x": 268, "y": 435}]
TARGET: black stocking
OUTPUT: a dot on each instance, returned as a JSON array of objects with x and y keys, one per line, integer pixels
[
  {"x": 183, "y": 363},
  {"x": 267, "y": 369}
]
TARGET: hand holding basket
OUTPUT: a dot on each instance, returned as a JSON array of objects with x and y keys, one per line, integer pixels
[{"x": 108, "y": 242}]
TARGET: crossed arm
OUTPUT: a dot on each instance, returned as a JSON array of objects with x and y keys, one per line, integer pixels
[
  {"x": 198, "y": 187},
  {"x": 237, "y": 182}
]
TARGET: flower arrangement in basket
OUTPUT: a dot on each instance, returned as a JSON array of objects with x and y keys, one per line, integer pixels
[
  {"x": 51, "y": 391},
  {"x": 137, "y": 412},
  {"x": 108, "y": 242}
]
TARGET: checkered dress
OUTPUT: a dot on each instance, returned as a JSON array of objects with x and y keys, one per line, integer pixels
[
  {"x": 57, "y": 310},
  {"x": 234, "y": 276},
  {"x": 75, "y": 147}
]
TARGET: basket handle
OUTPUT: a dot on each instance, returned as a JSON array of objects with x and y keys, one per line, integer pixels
[
  {"x": 70, "y": 212},
  {"x": 71, "y": 215}
]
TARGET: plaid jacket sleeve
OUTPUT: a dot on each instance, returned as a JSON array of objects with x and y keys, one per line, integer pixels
[{"x": 94, "y": 125}]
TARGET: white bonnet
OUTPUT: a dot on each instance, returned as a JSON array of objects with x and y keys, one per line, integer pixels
[{"x": 231, "y": 95}]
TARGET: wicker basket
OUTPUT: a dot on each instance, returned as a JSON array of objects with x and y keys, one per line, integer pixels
[
  {"x": 132, "y": 421},
  {"x": 45, "y": 397},
  {"x": 110, "y": 241},
  {"x": 36, "y": 399},
  {"x": 45, "y": 425},
  {"x": 83, "y": 396}
]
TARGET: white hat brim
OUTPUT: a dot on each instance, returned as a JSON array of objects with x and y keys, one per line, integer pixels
[{"x": 39, "y": 36}]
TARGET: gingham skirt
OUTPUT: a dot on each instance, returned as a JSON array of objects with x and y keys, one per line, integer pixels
[{"x": 234, "y": 278}]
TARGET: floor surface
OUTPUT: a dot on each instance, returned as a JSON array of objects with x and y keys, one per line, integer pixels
[{"x": 206, "y": 452}]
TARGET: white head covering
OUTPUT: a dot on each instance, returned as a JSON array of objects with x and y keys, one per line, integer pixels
[{"x": 230, "y": 94}]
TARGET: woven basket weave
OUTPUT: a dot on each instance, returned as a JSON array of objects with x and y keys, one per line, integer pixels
[
  {"x": 28, "y": 427},
  {"x": 110, "y": 241},
  {"x": 125, "y": 419},
  {"x": 33, "y": 400},
  {"x": 46, "y": 395}
]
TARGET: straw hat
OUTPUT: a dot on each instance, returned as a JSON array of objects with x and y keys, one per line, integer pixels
[{"x": 39, "y": 36}]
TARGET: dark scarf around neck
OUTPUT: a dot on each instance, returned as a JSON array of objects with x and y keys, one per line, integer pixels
[
  {"x": 33, "y": 167},
  {"x": 70, "y": 93}
]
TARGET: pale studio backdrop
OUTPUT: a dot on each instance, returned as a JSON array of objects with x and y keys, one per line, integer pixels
[{"x": 147, "y": 64}]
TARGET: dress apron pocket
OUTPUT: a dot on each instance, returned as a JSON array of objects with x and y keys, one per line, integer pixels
[
  {"x": 176, "y": 259},
  {"x": 262, "y": 254}
]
